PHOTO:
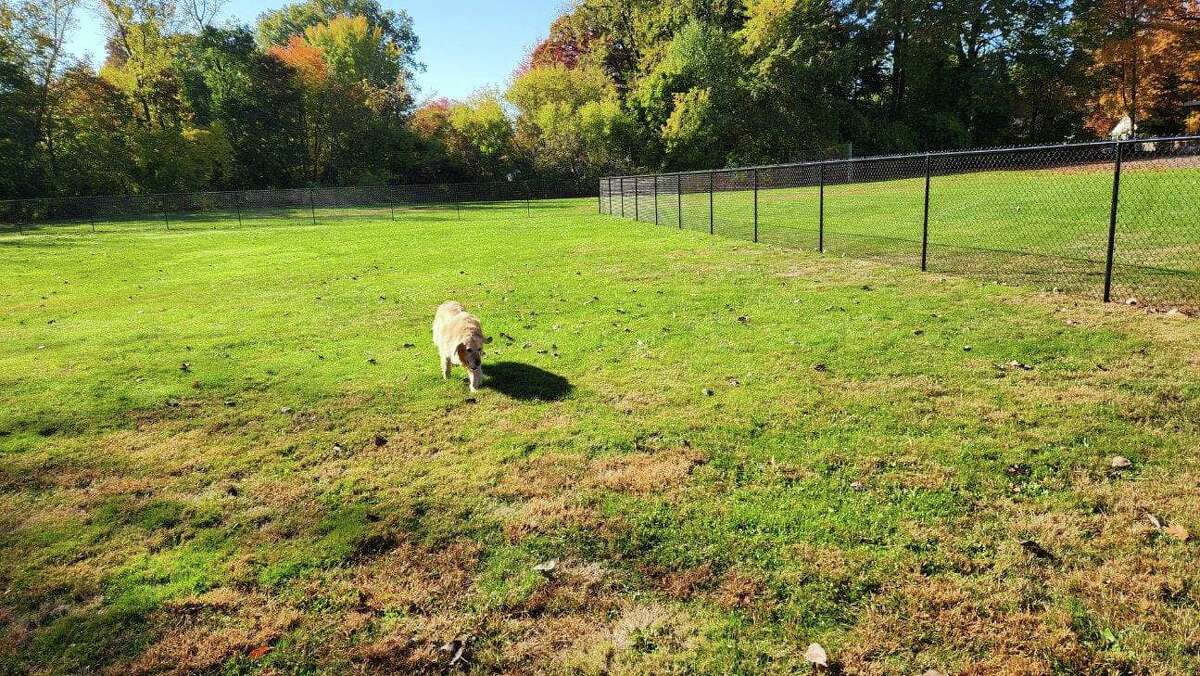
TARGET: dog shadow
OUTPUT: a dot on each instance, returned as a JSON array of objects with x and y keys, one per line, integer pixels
[{"x": 525, "y": 382}]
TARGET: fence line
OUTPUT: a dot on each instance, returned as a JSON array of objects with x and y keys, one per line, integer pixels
[
  {"x": 289, "y": 205},
  {"x": 1104, "y": 218}
]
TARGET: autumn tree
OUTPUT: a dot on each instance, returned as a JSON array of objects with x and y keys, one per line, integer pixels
[{"x": 1146, "y": 62}]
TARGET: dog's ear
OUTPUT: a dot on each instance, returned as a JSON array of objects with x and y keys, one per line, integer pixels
[{"x": 462, "y": 353}]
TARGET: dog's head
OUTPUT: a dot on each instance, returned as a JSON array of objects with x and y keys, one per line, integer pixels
[{"x": 470, "y": 353}]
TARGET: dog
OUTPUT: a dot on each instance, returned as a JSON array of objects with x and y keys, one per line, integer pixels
[{"x": 459, "y": 340}]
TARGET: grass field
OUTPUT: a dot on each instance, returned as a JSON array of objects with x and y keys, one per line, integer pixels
[{"x": 231, "y": 450}]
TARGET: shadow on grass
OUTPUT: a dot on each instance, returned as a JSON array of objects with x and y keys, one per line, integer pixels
[{"x": 526, "y": 382}]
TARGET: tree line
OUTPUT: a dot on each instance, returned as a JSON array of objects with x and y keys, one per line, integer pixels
[{"x": 320, "y": 92}]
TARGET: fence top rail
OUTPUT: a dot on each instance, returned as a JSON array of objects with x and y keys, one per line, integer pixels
[{"x": 912, "y": 156}]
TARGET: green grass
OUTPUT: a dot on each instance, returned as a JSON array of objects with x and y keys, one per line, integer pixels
[{"x": 232, "y": 450}]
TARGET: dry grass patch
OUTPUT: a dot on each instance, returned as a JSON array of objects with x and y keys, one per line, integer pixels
[{"x": 199, "y": 633}]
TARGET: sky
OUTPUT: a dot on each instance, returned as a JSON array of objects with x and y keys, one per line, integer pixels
[{"x": 465, "y": 44}]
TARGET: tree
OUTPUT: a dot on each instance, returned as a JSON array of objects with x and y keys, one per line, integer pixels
[
  {"x": 19, "y": 133},
  {"x": 1146, "y": 62},
  {"x": 570, "y": 121},
  {"x": 199, "y": 14},
  {"x": 254, "y": 98},
  {"x": 96, "y": 126},
  {"x": 355, "y": 51},
  {"x": 355, "y": 100},
  {"x": 692, "y": 97},
  {"x": 41, "y": 31},
  {"x": 277, "y": 27},
  {"x": 142, "y": 52}
]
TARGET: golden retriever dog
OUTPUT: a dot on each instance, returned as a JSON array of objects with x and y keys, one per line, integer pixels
[{"x": 459, "y": 340}]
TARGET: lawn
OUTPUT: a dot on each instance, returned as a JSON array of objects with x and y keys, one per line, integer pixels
[{"x": 232, "y": 450}]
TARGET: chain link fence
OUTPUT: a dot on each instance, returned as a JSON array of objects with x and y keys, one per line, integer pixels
[
  {"x": 1114, "y": 220},
  {"x": 297, "y": 206}
]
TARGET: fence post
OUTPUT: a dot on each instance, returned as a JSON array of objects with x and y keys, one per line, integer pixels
[
  {"x": 756, "y": 205},
  {"x": 821, "y": 213},
  {"x": 679, "y": 199},
  {"x": 1112, "y": 224},
  {"x": 599, "y": 199},
  {"x": 925, "y": 222},
  {"x": 237, "y": 205},
  {"x": 711, "y": 228},
  {"x": 622, "y": 197},
  {"x": 636, "y": 216},
  {"x": 656, "y": 199},
  {"x": 166, "y": 216},
  {"x": 312, "y": 205}
]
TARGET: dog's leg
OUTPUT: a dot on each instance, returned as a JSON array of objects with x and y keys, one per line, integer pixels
[
  {"x": 474, "y": 378},
  {"x": 445, "y": 368}
]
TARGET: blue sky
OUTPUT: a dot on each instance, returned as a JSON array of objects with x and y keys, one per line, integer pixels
[{"x": 466, "y": 44}]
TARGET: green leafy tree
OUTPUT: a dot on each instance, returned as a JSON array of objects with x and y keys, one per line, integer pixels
[
  {"x": 18, "y": 117},
  {"x": 480, "y": 136},
  {"x": 692, "y": 97},
  {"x": 570, "y": 121},
  {"x": 395, "y": 27},
  {"x": 255, "y": 99}
]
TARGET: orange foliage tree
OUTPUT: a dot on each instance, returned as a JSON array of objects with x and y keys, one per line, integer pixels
[{"x": 1146, "y": 64}]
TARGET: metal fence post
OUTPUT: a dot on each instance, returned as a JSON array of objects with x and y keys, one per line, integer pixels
[
  {"x": 312, "y": 205},
  {"x": 237, "y": 205},
  {"x": 622, "y": 197},
  {"x": 679, "y": 199},
  {"x": 756, "y": 205},
  {"x": 1112, "y": 224},
  {"x": 711, "y": 228},
  {"x": 925, "y": 221},
  {"x": 656, "y": 199},
  {"x": 821, "y": 212},
  {"x": 599, "y": 198}
]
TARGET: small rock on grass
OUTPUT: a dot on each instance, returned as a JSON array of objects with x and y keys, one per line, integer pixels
[
  {"x": 816, "y": 655},
  {"x": 1120, "y": 462},
  {"x": 546, "y": 566}
]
